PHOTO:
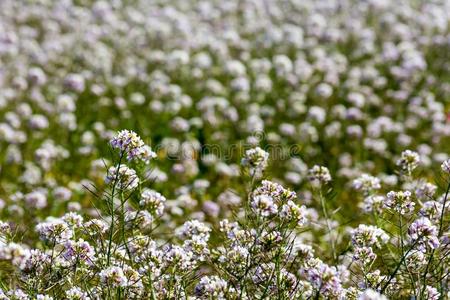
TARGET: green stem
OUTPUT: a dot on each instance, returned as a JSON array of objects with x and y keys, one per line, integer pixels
[
  {"x": 111, "y": 228},
  {"x": 325, "y": 213}
]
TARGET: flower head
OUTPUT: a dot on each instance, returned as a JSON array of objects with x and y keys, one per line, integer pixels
[
  {"x": 125, "y": 177},
  {"x": 129, "y": 143},
  {"x": 256, "y": 160},
  {"x": 408, "y": 161},
  {"x": 424, "y": 233}
]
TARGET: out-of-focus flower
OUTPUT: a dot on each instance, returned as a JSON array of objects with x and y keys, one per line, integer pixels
[
  {"x": 319, "y": 174},
  {"x": 409, "y": 160},
  {"x": 446, "y": 166},
  {"x": 256, "y": 160}
]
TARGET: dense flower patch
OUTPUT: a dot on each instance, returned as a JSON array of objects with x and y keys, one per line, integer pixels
[{"x": 242, "y": 149}]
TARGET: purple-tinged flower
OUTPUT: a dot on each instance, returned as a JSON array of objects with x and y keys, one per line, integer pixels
[
  {"x": 264, "y": 205},
  {"x": 152, "y": 201},
  {"x": 370, "y": 294},
  {"x": 368, "y": 236},
  {"x": 400, "y": 202},
  {"x": 113, "y": 276},
  {"x": 255, "y": 160},
  {"x": 129, "y": 143},
  {"x": 319, "y": 175},
  {"x": 424, "y": 233},
  {"x": 445, "y": 166},
  {"x": 409, "y": 160},
  {"x": 126, "y": 177}
]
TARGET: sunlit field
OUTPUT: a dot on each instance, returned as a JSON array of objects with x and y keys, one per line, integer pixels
[{"x": 224, "y": 149}]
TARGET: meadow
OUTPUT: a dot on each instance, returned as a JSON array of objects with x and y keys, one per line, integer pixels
[{"x": 239, "y": 149}]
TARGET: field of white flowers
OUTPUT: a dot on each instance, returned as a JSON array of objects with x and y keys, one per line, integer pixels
[{"x": 224, "y": 149}]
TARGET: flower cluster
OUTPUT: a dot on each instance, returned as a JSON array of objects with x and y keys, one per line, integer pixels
[
  {"x": 131, "y": 145},
  {"x": 303, "y": 149},
  {"x": 256, "y": 160}
]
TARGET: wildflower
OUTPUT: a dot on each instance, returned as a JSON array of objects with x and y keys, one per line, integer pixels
[
  {"x": 79, "y": 251},
  {"x": 211, "y": 208},
  {"x": 73, "y": 219},
  {"x": 364, "y": 254},
  {"x": 153, "y": 201},
  {"x": 264, "y": 205},
  {"x": 415, "y": 261},
  {"x": 38, "y": 122},
  {"x": 235, "y": 257},
  {"x": 179, "y": 258},
  {"x": 370, "y": 294},
  {"x": 129, "y": 143},
  {"x": 319, "y": 175},
  {"x": 368, "y": 235},
  {"x": 94, "y": 227},
  {"x": 5, "y": 229},
  {"x": 256, "y": 160},
  {"x": 325, "y": 279},
  {"x": 293, "y": 212},
  {"x": 76, "y": 293},
  {"x": 408, "y": 161},
  {"x": 423, "y": 233},
  {"x": 302, "y": 251},
  {"x": 425, "y": 191},
  {"x": 14, "y": 253},
  {"x": 34, "y": 263},
  {"x": 36, "y": 199},
  {"x": 400, "y": 202},
  {"x": 113, "y": 276},
  {"x": 16, "y": 294},
  {"x": 43, "y": 297},
  {"x": 431, "y": 210},
  {"x": 212, "y": 287},
  {"x": 54, "y": 231},
  {"x": 276, "y": 191},
  {"x": 445, "y": 166},
  {"x": 126, "y": 178},
  {"x": 75, "y": 82},
  {"x": 194, "y": 228},
  {"x": 373, "y": 203},
  {"x": 141, "y": 219},
  {"x": 62, "y": 193},
  {"x": 431, "y": 293},
  {"x": 366, "y": 183}
]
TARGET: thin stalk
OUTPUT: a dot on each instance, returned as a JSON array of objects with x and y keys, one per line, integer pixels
[
  {"x": 325, "y": 213},
  {"x": 111, "y": 228}
]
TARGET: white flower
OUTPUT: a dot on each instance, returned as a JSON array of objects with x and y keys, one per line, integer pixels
[
  {"x": 319, "y": 174},
  {"x": 366, "y": 183},
  {"x": 54, "y": 231},
  {"x": 368, "y": 235},
  {"x": 129, "y": 143},
  {"x": 153, "y": 201},
  {"x": 264, "y": 205},
  {"x": 409, "y": 160},
  {"x": 113, "y": 276},
  {"x": 370, "y": 294},
  {"x": 293, "y": 212},
  {"x": 446, "y": 166},
  {"x": 125, "y": 178},
  {"x": 424, "y": 233},
  {"x": 256, "y": 160}
]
